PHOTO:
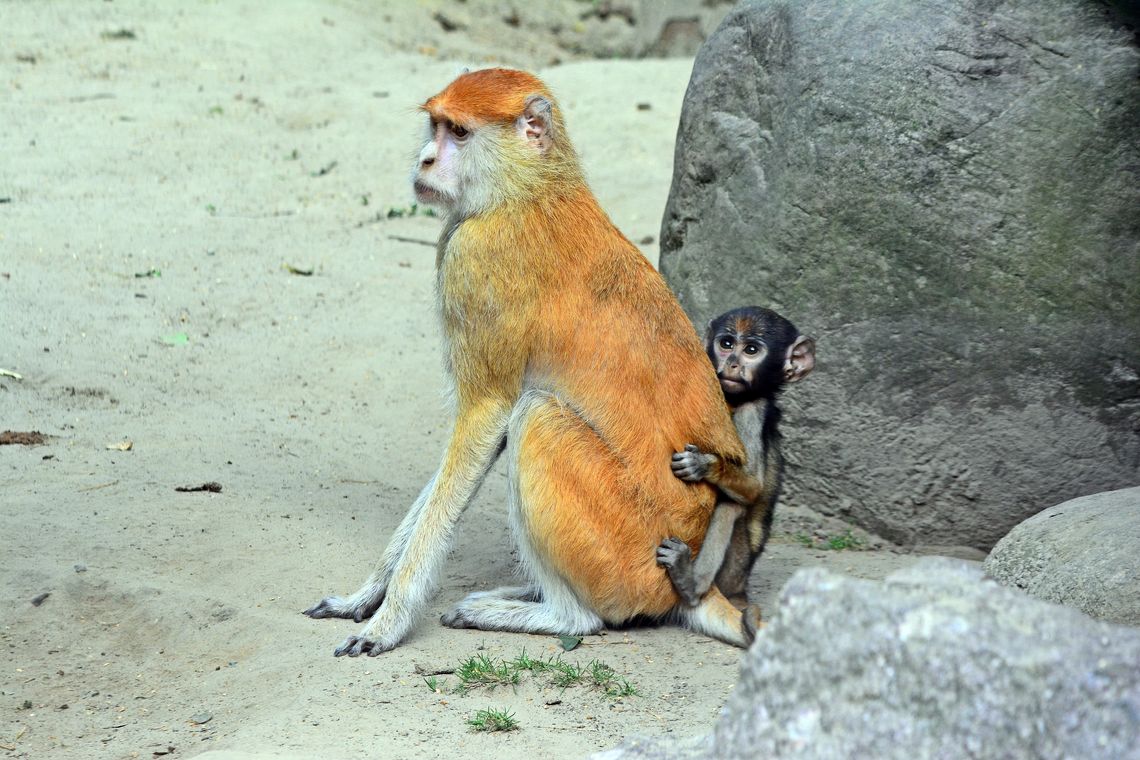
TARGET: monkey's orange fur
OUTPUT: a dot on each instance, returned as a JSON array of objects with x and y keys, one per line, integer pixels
[
  {"x": 565, "y": 348},
  {"x": 542, "y": 291}
]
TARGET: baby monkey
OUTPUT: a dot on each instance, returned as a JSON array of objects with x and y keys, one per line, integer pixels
[{"x": 755, "y": 352}]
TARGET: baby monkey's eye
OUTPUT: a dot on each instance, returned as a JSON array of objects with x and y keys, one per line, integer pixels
[
  {"x": 459, "y": 131},
  {"x": 726, "y": 343},
  {"x": 751, "y": 348}
]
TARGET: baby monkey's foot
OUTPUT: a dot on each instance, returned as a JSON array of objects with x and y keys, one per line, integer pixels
[{"x": 677, "y": 558}]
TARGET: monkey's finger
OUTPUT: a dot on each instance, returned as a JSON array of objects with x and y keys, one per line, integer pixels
[
  {"x": 687, "y": 466},
  {"x": 375, "y": 649},
  {"x": 330, "y": 606},
  {"x": 693, "y": 448},
  {"x": 675, "y": 544},
  {"x": 353, "y": 646}
]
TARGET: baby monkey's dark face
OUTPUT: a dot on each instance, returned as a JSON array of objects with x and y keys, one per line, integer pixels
[
  {"x": 755, "y": 351},
  {"x": 738, "y": 356}
]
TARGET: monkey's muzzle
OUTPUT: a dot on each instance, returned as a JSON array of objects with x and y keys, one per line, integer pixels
[{"x": 425, "y": 193}]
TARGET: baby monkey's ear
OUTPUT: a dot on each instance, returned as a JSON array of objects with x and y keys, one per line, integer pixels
[{"x": 800, "y": 360}]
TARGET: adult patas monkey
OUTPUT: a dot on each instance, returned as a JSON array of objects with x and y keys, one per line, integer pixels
[{"x": 565, "y": 347}]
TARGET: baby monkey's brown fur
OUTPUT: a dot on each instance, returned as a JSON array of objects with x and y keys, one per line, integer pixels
[{"x": 755, "y": 352}]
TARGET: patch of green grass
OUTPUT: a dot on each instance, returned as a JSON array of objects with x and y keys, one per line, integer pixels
[
  {"x": 480, "y": 670},
  {"x": 847, "y": 541},
  {"x": 494, "y": 720},
  {"x": 604, "y": 678},
  {"x": 435, "y": 684},
  {"x": 565, "y": 674},
  {"x": 838, "y": 543}
]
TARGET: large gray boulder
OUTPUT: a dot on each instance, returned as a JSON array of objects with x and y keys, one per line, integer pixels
[
  {"x": 933, "y": 662},
  {"x": 947, "y": 194},
  {"x": 1084, "y": 553}
]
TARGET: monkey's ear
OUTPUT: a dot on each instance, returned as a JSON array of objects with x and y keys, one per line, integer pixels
[
  {"x": 536, "y": 124},
  {"x": 800, "y": 360}
]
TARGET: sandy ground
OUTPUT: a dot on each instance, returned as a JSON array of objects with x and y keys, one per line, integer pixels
[{"x": 154, "y": 191}]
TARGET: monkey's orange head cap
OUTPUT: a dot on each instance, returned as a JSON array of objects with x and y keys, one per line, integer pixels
[{"x": 486, "y": 96}]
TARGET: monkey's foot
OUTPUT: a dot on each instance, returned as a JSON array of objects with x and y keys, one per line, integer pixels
[
  {"x": 354, "y": 646},
  {"x": 454, "y": 618},
  {"x": 676, "y": 556},
  {"x": 751, "y": 618},
  {"x": 336, "y": 607},
  {"x": 511, "y": 609}
]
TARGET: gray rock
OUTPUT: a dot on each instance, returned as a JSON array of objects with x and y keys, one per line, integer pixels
[
  {"x": 945, "y": 193},
  {"x": 1084, "y": 553},
  {"x": 933, "y": 662}
]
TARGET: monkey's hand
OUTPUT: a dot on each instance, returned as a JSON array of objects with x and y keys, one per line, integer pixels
[
  {"x": 677, "y": 559},
  {"x": 692, "y": 464}
]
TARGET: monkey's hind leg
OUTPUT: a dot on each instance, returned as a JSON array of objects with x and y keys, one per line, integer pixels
[
  {"x": 548, "y": 604},
  {"x": 504, "y": 609},
  {"x": 717, "y": 617}
]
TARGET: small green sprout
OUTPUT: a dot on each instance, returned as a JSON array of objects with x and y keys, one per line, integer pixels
[{"x": 494, "y": 720}]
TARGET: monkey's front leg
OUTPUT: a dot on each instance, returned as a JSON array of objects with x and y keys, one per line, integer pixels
[
  {"x": 693, "y": 465},
  {"x": 406, "y": 575},
  {"x": 367, "y": 599}
]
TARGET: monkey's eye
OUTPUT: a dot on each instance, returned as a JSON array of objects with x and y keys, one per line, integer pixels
[
  {"x": 751, "y": 349},
  {"x": 726, "y": 343},
  {"x": 459, "y": 131}
]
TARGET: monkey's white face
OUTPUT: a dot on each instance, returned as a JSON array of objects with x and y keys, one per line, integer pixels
[
  {"x": 458, "y": 168},
  {"x": 470, "y": 168},
  {"x": 436, "y": 179}
]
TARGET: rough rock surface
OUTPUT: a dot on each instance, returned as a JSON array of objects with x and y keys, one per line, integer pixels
[
  {"x": 932, "y": 662},
  {"x": 945, "y": 194},
  {"x": 1084, "y": 553}
]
